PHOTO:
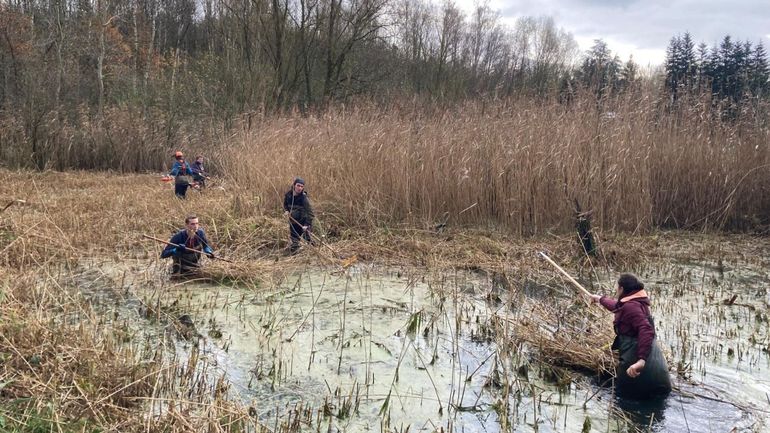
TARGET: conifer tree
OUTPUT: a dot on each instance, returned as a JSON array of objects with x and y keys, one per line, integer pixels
[{"x": 759, "y": 72}]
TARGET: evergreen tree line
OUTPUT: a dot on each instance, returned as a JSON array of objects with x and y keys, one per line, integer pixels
[{"x": 731, "y": 71}]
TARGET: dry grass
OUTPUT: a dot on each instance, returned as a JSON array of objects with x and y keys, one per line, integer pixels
[{"x": 65, "y": 216}]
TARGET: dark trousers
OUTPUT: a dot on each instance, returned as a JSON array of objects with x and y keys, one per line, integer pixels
[
  {"x": 181, "y": 183},
  {"x": 185, "y": 264},
  {"x": 296, "y": 232}
]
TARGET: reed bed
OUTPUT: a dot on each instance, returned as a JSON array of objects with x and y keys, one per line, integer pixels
[
  {"x": 66, "y": 216},
  {"x": 516, "y": 167}
]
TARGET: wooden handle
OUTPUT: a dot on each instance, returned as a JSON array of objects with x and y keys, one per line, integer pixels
[
  {"x": 191, "y": 249},
  {"x": 569, "y": 277}
]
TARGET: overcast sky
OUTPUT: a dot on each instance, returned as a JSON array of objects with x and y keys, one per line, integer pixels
[{"x": 644, "y": 27}]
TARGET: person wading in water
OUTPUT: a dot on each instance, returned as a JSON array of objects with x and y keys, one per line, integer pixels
[
  {"x": 186, "y": 261},
  {"x": 642, "y": 372}
]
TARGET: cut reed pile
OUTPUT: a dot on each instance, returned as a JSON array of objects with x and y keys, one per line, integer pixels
[{"x": 565, "y": 335}]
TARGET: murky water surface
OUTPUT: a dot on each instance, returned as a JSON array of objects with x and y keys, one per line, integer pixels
[{"x": 379, "y": 350}]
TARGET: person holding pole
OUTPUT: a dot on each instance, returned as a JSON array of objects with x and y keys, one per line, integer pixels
[
  {"x": 642, "y": 372},
  {"x": 297, "y": 210},
  {"x": 185, "y": 248}
]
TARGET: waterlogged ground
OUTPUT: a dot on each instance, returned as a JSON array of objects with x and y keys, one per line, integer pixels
[
  {"x": 712, "y": 316},
  {"x": 391, "y": 350},
  {"x": 373, "y": 351}
]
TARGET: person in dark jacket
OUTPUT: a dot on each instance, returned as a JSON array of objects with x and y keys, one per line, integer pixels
[
  {"x": 186, "y": 244},
  {"x": 299, "y": 213},
  {"x": 181, "y": 172},
  {"x": 642, "y": 371},
  {"x": 199, "y": 173}
]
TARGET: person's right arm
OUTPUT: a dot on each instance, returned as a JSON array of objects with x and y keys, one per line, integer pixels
[
  {"x": 174, "y": 169},
  {"x": 171, "y": 250},
  {"x": 605, "y": 301},
  {"x": 286, "y": 204}
]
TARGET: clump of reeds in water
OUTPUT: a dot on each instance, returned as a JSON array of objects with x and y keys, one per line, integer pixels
[
  {"x": 555, "y": 325},
  {"x": 252, "y": 273}
]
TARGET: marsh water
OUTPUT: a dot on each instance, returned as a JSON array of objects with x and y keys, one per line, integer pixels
[{"x": 406, "y": 350}]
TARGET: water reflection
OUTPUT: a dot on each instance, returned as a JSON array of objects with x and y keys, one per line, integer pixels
[{"x": 645, "y": 414}]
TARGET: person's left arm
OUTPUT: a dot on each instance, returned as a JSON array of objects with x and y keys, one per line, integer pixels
[
  {"x": 205, "y": 242},
  {"x": 309, "y": 215}
]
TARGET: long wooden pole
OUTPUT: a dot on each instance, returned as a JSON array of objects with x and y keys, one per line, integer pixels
[
  {"x": 187, "y": 248},
  {"x": 569, "y": 277}
]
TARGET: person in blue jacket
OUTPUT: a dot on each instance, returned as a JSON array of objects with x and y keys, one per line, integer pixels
[
  {"x": 181, "y": 171},
  {"x": 186, "y": 244}
]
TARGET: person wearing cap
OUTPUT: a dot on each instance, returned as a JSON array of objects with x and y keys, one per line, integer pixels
[
  {"x": 186, "y": 244},
  {"x": 642, "y": 372},
  {"x": 181, "y": 172},
  {"x": 297, "y": 209}
]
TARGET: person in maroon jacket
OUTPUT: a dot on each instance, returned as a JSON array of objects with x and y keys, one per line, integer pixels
[{"x": 642, "y": 372}]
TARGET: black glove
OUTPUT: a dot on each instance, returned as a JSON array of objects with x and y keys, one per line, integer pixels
[{"x": 181, "y": 249}]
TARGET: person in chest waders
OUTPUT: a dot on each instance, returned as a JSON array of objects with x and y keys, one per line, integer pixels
[
  {"x": 297, "y": 209},
  {"x": 185, "y": 260},
  {"x": 642, "y": 371},
  {"x": 182, "y": 172}
]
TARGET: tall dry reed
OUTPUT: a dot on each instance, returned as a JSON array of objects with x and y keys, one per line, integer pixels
[{"x": 517, "y": 165}]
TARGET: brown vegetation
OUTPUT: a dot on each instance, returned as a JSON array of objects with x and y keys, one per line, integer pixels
[
  {"x": 515, "y": 168},
  {"x": 54, "y": 345}
]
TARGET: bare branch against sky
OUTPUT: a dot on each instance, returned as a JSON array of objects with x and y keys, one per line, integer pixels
[{"x": 643, "y": 28}]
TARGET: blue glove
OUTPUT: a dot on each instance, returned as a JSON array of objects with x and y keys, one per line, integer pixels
[{"x": 208, "y": 251}]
